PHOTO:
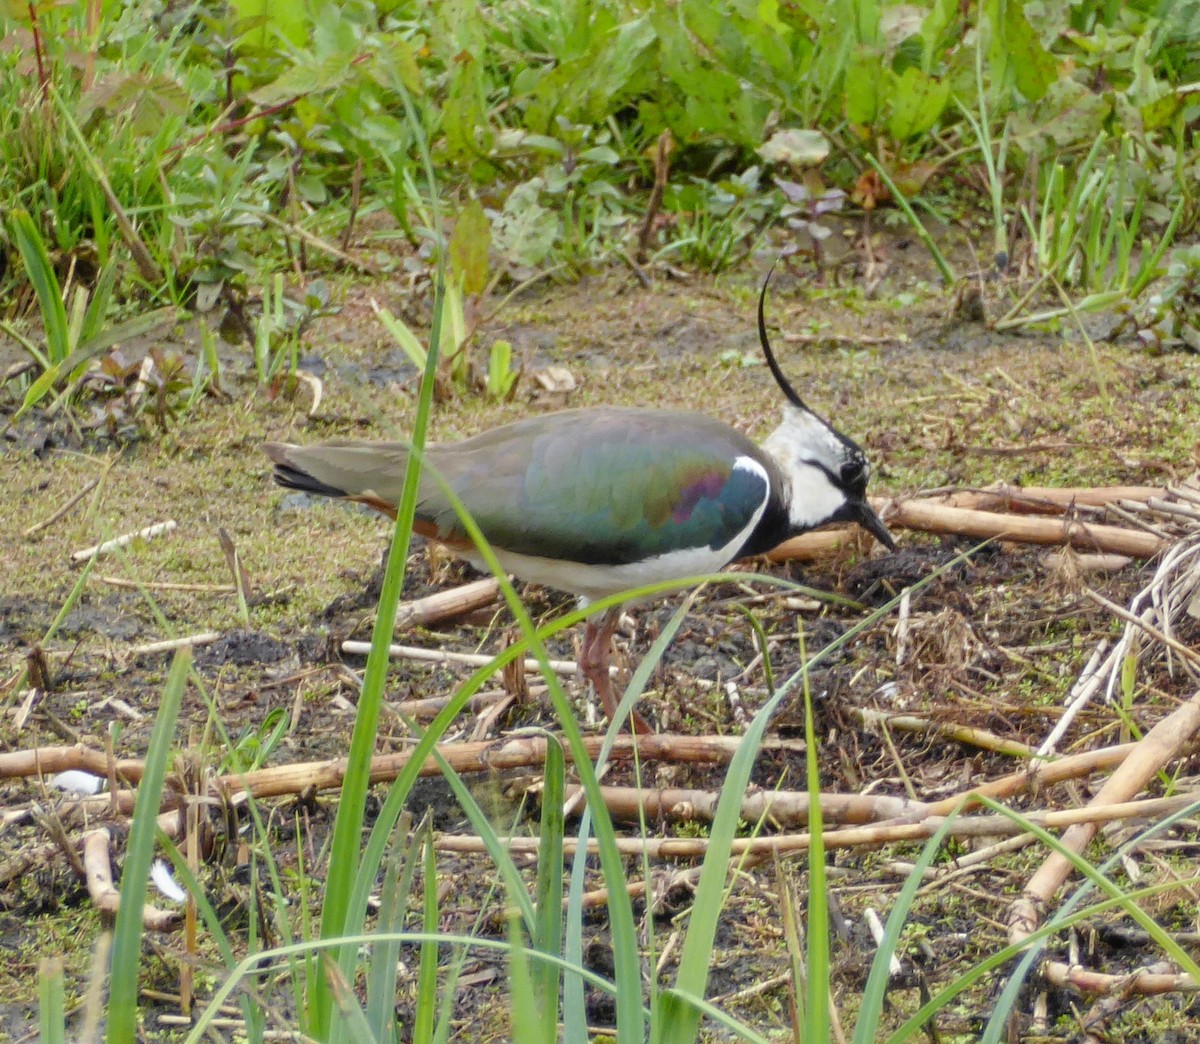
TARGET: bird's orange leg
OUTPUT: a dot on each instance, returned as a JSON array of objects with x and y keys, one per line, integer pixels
[{"x": 595, "y": 653}]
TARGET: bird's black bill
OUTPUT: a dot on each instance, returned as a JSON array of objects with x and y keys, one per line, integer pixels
[{"x": 873, "y": 524}]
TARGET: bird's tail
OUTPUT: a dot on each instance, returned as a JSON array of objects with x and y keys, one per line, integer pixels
[{"x": 369, "y": 472}]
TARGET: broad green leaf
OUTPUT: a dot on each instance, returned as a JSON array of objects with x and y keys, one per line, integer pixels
[
  {"x": 525, "y": 231},
  {"x": 1068, "y": 114},
  {"x": 917, "y": 102},
  {"x": 940, "y": 21},
  {"x": 1017, "y": 49},
  {"x": 863, "y": 86},
  {"x": 465, "y": 112},
  {"x": 469, "y": 248},
  {"x": 405, "y": 61},
  {"x": 275, "y": 18}
]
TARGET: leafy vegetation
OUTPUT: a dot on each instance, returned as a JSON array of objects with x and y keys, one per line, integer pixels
[{"x": 187, "y": 156}]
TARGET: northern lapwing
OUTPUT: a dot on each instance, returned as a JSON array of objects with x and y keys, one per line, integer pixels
[{"x": 600, "y": 500}]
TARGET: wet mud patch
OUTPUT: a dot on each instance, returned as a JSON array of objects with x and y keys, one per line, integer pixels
[{"x": 244, "y": 648}]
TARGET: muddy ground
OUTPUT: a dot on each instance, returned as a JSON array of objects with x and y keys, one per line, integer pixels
[{"x": 935, "y": 402}]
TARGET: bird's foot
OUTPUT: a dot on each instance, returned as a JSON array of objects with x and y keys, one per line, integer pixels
[{"x": 602, "y": 684}]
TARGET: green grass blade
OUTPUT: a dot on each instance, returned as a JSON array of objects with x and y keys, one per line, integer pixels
[
  {"x": 627, "y": 965},
  {"x": 348, "y": 875},
  {"x": 212, "y": 921},
  {"x": 427, "y": 970},
  {"x": 707, "y": 1009},
  {"x": 40, "y": 272},
  {"x": 507, "y": 869},
  {"x": 403, "y": 336},
  {"x": 353, "y": 1018},
  {"x": 1062, "y": 920},
  {"x": 547, "y": 935},
  {"x": 527, "y": 1024},
  {"x": 1097, "y": 878},
  {"x": 345, "y": 865},
  {"x": 816, "y": 1008},
  {"x": 127, "y": 937},
  {"x": 624, "y": 943},
  {"x": 1148, "y": 269},
  {"x": 52, "y": 1012},
  {"x": 675, "y": 1024},
  {"x": 385, "y": 956}
]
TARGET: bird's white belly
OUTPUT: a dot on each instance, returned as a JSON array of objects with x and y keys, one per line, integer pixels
[{"x": 591, "y": 582}]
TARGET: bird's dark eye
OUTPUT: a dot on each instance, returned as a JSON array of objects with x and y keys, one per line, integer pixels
[{"x": 854, "y": 476}]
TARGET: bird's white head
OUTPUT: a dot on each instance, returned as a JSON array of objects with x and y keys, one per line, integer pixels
[{"x": 826, "y": 471}]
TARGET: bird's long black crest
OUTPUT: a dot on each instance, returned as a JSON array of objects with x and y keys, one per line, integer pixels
[{"x": 792, "y": 396}]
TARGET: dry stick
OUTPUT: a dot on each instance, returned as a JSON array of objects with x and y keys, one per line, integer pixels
[
  {"x": 122, "y": 541},
  {"x": 1167, "y": 508},
  {"x": 1089, "y": 680},
  {"x": 92, "y": 1003},
  {"x": 932, "y": 517},
  {"x": 484, "y": 756},
  {"x": 1154, "y": 751},
  {"x": 48, "y": 761},
  {"x": 813, "y": 546},
  {"x": 876, "y": 929},
  {"x": 1176, "y": 571},
  {"x": 1042, "y": 774},
  {"x": 783, "y": 808},
  {"x": 107, "y": 897},
  {"x": 37, "y": 527},
  {"x": 412, "y": 652},
  {"x": 1190, "y": 493},
  {"x": 981, "y": 738},
  {"x": 428, "y": 709},
  {"x": 238, "y": 571},
  {"x": 1149, "y": 628},
  {"x": 1142, "y": 983},
  {"x": 960, "y": 866},
  {"x": 171, "y": 644},
  {"x": 662, "y": 170},
  {"x": 1045, "y": 499},
  {"x": 33, "y": 858},
  {"x": 851, "y": 837},
  {"x": 526, "y": 752},
  {"x": 1133, "y": 513},
  {"x": 446, "y": 605},
  {"x": 362, "y": 264},
  {"x": 903, "y": 619},
  {"x": 1084, "y": 562},
  {"x": 137, "y": 248},
  {"x": 162, "y": 585},
  {"x": 935, "y": 518}
]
